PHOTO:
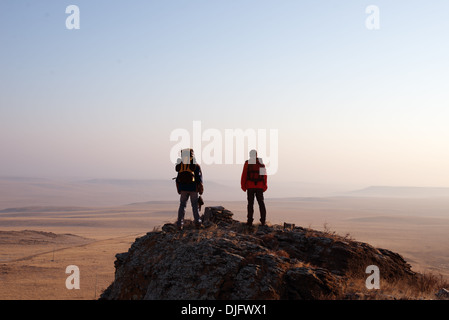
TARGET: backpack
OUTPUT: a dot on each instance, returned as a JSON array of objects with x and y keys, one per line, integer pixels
[
  {"x": 186, "y": 173},
  {"x": 256, "y": 172}
]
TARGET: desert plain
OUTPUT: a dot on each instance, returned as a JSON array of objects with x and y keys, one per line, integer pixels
[{"x": 44, "y": 228}]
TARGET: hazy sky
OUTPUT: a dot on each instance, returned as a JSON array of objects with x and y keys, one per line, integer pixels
[{"x": 351, "y": 105}]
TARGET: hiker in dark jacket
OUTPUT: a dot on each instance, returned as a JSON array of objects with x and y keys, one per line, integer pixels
[
  {"x": 189, "y": 183},
  {"x": 254, "y": 182}
]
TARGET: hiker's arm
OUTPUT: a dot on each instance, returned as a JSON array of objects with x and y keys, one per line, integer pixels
[
  {"x": 198, "y": 174},
  {"x": 244, "y": 176},
  {"x": 263, "y": 172},
  {"x": 199, "y": 179},
  {"x": 265, "y": 181}
]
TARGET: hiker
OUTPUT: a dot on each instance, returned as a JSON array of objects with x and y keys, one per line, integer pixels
[
  {"x": 254, "y": 182},
  {"x": 189, "y": 183}
]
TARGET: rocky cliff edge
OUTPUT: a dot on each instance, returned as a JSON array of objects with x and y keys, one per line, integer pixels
[{"x": 225, "y": 259}]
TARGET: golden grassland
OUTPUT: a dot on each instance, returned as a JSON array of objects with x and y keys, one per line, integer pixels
[{"x": 89, "y": 237}]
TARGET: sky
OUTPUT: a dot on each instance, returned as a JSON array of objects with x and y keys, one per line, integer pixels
[{"x": 350, "y": 105}]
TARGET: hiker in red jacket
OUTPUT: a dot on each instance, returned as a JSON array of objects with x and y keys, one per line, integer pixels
[{"x": 254, "y": 182}]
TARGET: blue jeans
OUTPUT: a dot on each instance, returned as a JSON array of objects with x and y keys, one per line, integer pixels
[{"x": 183, "y": 204}]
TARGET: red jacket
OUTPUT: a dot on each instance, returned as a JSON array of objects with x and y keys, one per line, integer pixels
[{"x": 248, "y": 184}]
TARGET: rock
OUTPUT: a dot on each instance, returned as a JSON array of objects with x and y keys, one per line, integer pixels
[
  {"x": 289, "y": 226},
  {"x": 442, "y": 294},
  {"x": 226, "y": 260},
  {"x": 217, "y": 215},
  {"x": 169, "y": 227},
  {"x": 308, "y": 283}
]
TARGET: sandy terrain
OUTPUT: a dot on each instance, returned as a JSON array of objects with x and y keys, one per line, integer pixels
[
  {"x": 42, "y": 276},
  {"x": 37, "y": 244},
  {"x": 32, "y": 264}
]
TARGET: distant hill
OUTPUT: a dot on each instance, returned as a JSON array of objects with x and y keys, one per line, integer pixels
[
  {"x": 400, "y": 192},
  {"x": 23, "y": 192},
  {"x": 33, "y": 191}
]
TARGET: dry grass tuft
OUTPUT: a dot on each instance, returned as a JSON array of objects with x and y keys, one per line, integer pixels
[{"x": 424, "y": 287}]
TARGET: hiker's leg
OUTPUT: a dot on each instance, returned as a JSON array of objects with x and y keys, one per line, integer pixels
[
  {"x": 182, "y": 207},
  {"x": 261, "y": 202},
  {"x": 250, "y": 196},
  {"x": 194, "y": 201}
]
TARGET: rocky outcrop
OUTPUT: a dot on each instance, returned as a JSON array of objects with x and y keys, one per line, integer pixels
[{"x": 227, "y": 260}]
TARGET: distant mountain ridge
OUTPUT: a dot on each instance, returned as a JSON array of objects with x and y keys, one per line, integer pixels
[
  {"x": 400, "y": 191},
  {"x": 28, "y": 192}
]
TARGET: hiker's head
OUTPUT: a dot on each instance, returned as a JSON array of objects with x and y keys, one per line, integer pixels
[
  {"x": 187, "y": 155},
  {"x": 253, "y": 154}
]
